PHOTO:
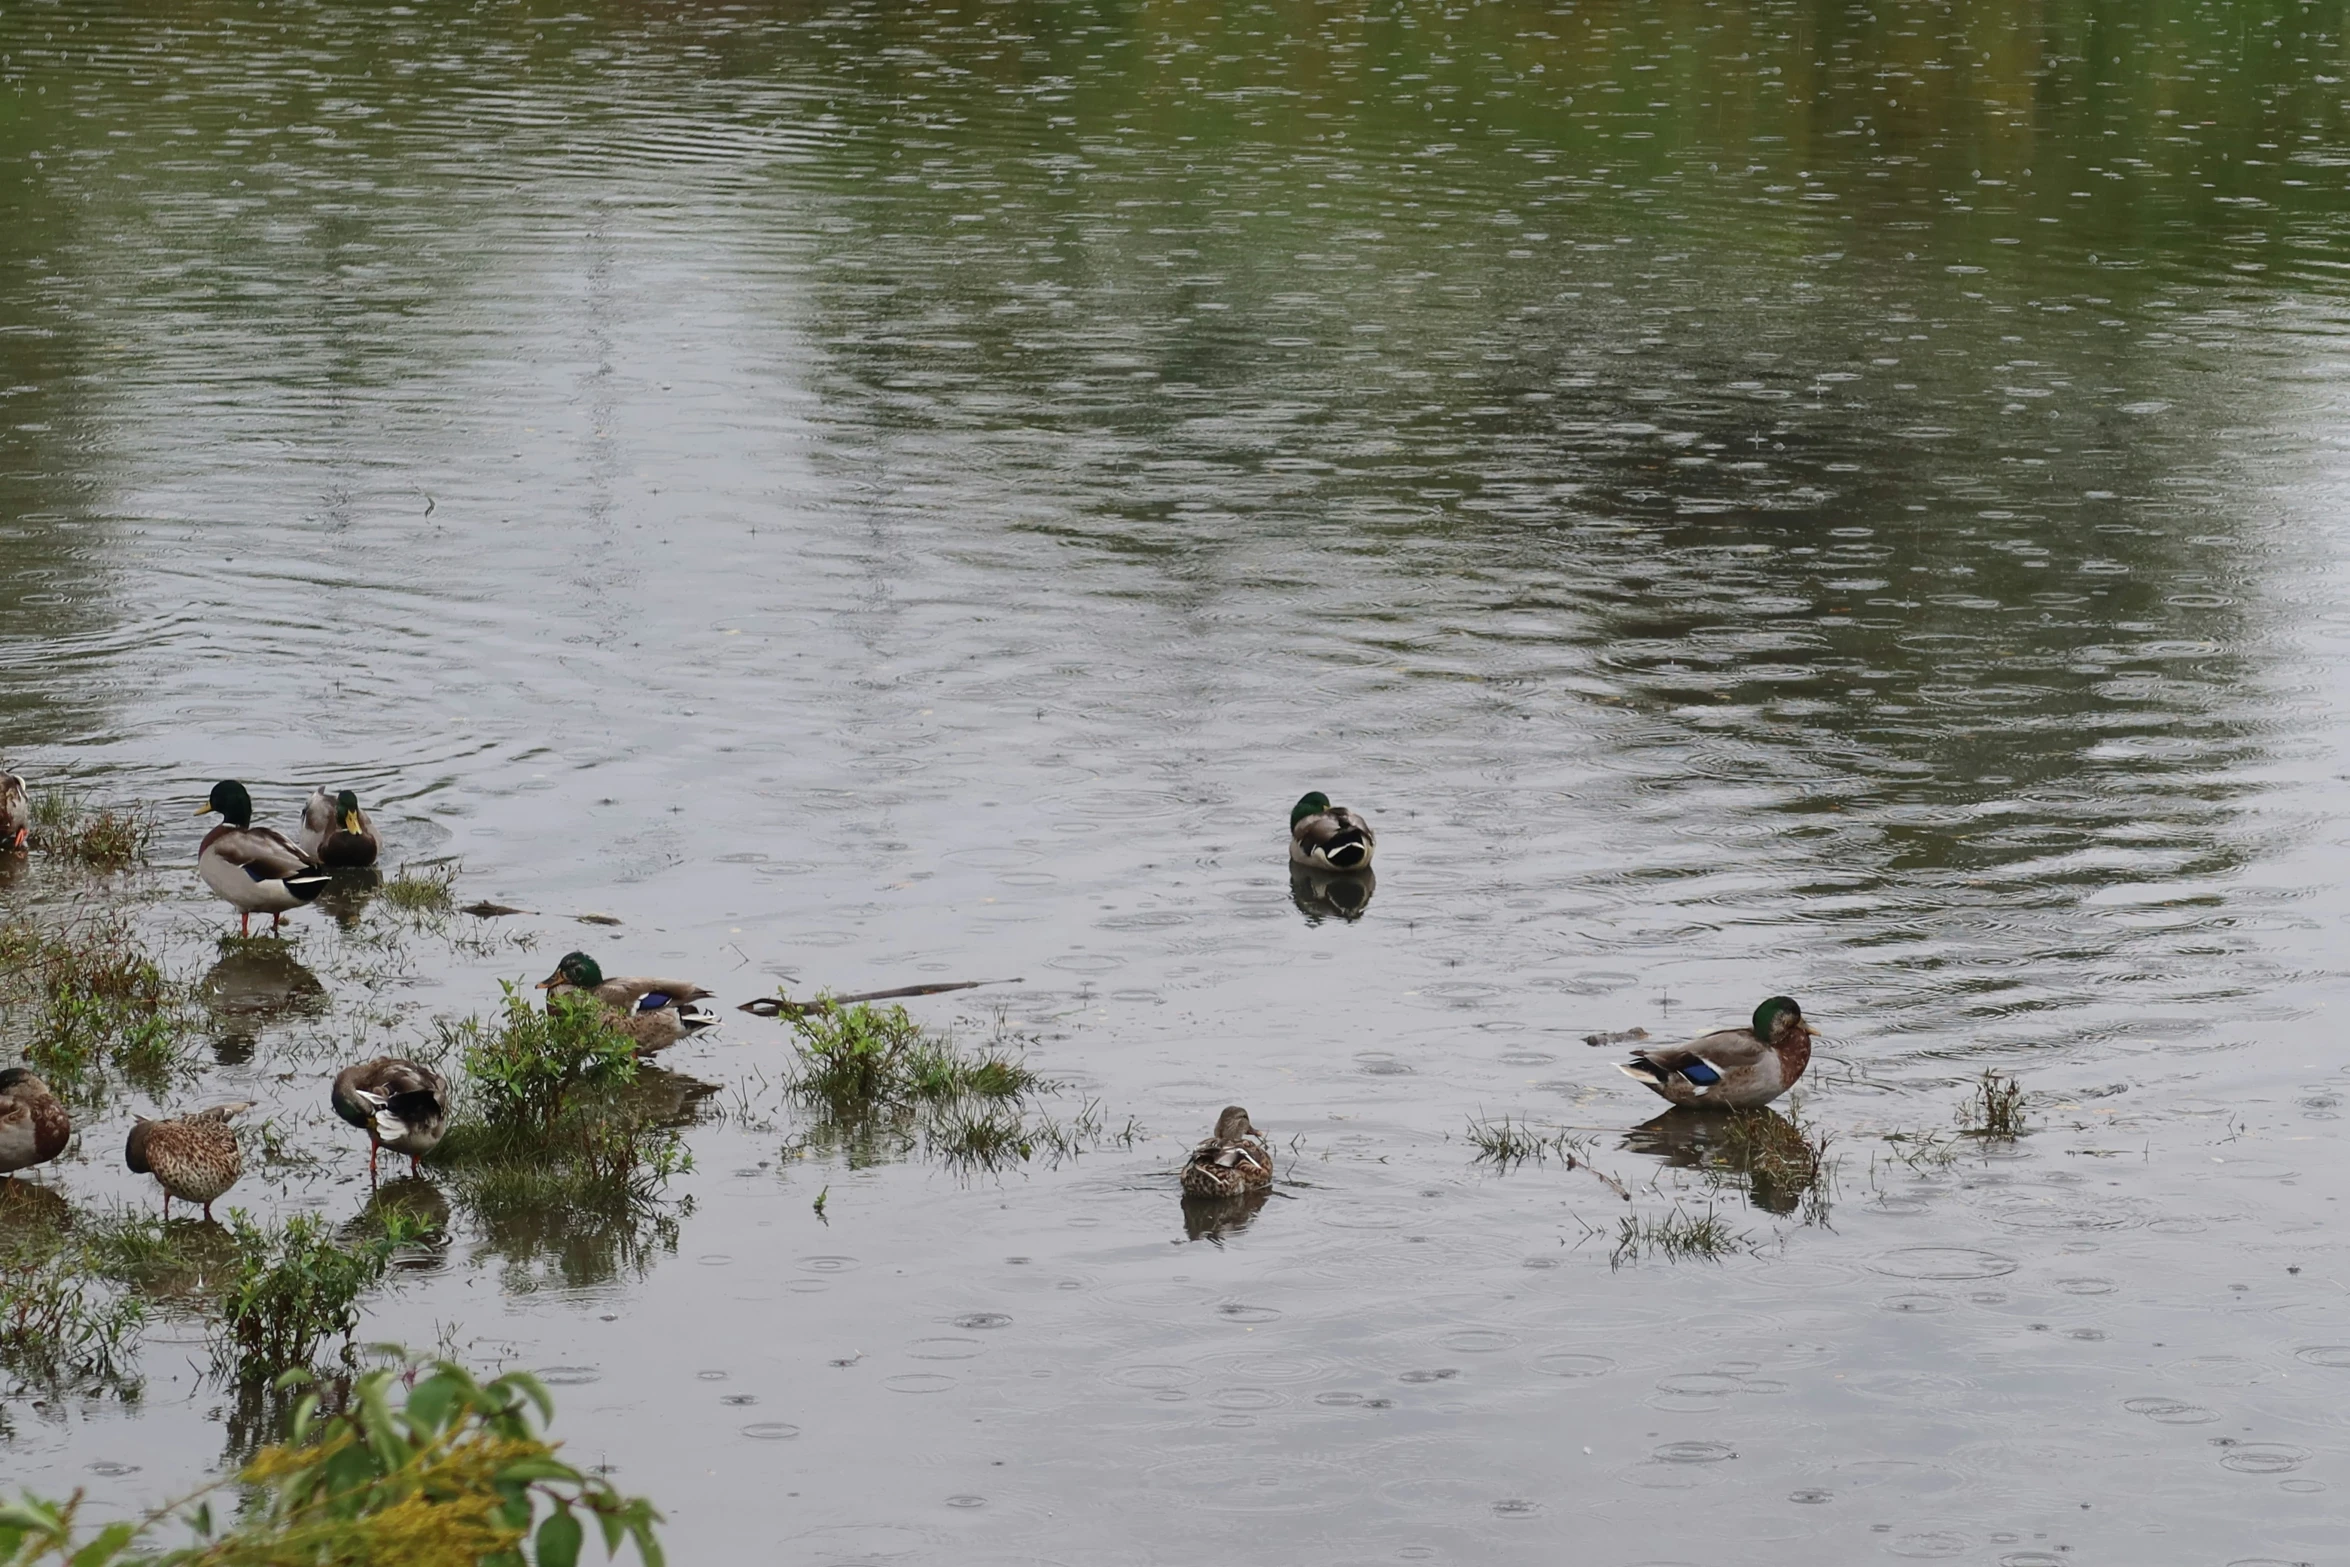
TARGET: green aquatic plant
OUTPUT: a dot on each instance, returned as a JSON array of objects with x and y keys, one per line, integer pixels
[
  {"x": 1994, "y": 1107},
  {"x": 105, "y": 838},
  {"x": 857, "y": 1058},
  {"x": 93, "y": 997},
  {"x": 1505, "y": 1142},
  {"x": 60, "y": 1323},
  {"x": 1784, "y": 1160},
  {"x": 423, "y": 892},
  {"x": 524, "y": 1071},
  {"x": 295, "y": 1286},
  {"x": 459, "y": 1473},
  {"x": 1675, "y": 1237}
]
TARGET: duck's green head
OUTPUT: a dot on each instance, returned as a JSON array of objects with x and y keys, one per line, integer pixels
[
  {"x": 229, "y": 798},
  {"x": 1777, "y": 1014},
  {"x": 578, "y": 969},
  {"x": 347, "y": 811},
  {"x": 1313, "y": 804}
]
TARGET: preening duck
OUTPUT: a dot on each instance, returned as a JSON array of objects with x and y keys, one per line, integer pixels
[
  {"x": 655, "y": 1013},
  {"x": 193, "y": 1157},
  {"x": 1329, "y": 837},
  {"x": 1731, "y": 1068},
  {"x": 336, "y": 833},
  {"x": 1233, "y": 1160},
  {"x": 400, "y": 1105},
  {"x": 254, "y": 869}
]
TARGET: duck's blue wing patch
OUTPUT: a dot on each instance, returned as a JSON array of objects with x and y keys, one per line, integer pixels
[
  {"x": 651, "y": 1001},
  {"x": 1700, "y": 1073}
]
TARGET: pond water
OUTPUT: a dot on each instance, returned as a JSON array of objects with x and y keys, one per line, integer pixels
[{"x": 1833, "y": 499}]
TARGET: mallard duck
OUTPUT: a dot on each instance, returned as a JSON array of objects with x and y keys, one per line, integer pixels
[
  {"x": 34, "y": 1127},
  {"x": 16, "y": 814},
  {"x": 194, "y": 1158},
  {"x": 1329, "y": 837},
  {"x": 254, "y": 868},
  {"x": 336, "y": 833},
  {"x": 656, "y": 1013},
  {"x": 398, "y": 1104},
  {"x": 1233, "y": 1160},
  {"x": 1731, "y": 1068}
]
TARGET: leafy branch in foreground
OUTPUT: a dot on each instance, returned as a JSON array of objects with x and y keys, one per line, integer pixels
[{"x": 458, "y": 1475}]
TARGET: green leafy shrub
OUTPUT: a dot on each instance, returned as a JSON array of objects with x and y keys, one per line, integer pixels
[
  {"x": 459, "y": 1474},
  {"x": 858, "y": 1058},
  {"x": 296, "y": 1286},
  {"x": 527, "y": 1070}
]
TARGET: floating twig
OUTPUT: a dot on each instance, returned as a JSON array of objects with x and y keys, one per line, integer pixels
[{"x": 784, "y": 1006}]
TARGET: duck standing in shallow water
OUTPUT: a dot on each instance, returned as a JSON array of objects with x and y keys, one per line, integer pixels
[
  {"x": 336, "y": 833},
  {"x": 1232, "y": 1161},
  {"x": 1329, "y": 837},
  {"x": 254, "y": 869},
  {"x": 1731, "y": 1068},
  {"x": 194, "y": 1158},
  {"x": 34, "y": 1127},
  {"x": 400, "y": 1105},
  {"x": 16, "y": 815},
  {"x": 655, "y": 1013}
]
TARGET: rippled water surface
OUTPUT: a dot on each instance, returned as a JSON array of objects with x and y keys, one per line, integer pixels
[{"x": 1835, "y": 499}]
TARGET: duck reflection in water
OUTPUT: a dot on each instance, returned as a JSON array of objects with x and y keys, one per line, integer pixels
[
  {"x": 257, "y": 983},
  {"x": 346, "y": 898},
  {"x": 1782, "y": 1166},
  {"x": 1210, "y": 1219},
  {"x": 1324, "y": 894}
]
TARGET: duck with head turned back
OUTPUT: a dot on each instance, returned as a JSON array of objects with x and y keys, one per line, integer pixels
[
  {"x": 1329, "y": 837},
  {"x": 1731, "y": 1068},
  {"x": 34, "y": 1127},
  {"x": 655, "y": 1013},
  {"x": 400, "y": 1105},
  {"x": 254, "y": 868},
  {"x": 336, "y": 833},
  {"x": 193, "y": 1157},
  {"x": 16, "y": 814},
  {"x": 1233, "y": 1160}
]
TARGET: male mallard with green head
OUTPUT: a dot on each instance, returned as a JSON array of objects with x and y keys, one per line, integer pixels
[
  {"x": 656, "y": 1013},
  {"x": 194, "y": 1158},
  {"x": 1731, "y": 1068},
  {"x": 1329, "y": 837},
  {"x": 336, "y": 833},
  {"x": 1233, "y": 1160},
  {"x": 34, "y": 1127},
  {"x": 16, "y": 814},
  {"x": 398, "y": 1104},
  {"x": 254, "y": 868}
]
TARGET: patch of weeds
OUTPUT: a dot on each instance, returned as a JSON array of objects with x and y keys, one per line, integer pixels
[
  {"x": 104, "y": 838},
  {"x": 862, "y": 1057},
  {"x": 1674, "y": 1236},
  {"x": 60, "y": 1324},
  {"x": 1923, "y": 1151},
  {"x": 526, "y": 1070},
  {"x": 1784, "y": 1162},
  {"x": 94, "y": 998},
  {"x": 1995, "y": 1108},
  {"x": 422, "y": 893},
  {"x": 458, "y": 1473},
  {"x": 1506, "y": 1142},
  {"x": 295, "y": 1287}
]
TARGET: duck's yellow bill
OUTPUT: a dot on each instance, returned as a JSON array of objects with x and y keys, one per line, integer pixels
[{"x": 205, "y": 809}]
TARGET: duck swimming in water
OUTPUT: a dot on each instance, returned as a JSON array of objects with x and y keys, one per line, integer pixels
[
  {"x": 1329, "y": 837},
  {"x": 1233, "y": 1160},
  {"x": 336, "y": 833}
]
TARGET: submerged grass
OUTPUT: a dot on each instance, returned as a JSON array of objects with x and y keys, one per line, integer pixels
[
  {"x": 105, "y": 838},
  {"x": 1505, "y": 1142},
  {"x": 1994, "y": 1108},
  {"x": 427, "y": 890},
  {"x": 62, "y": 1324},
  {"x": 295, "y": 1286},
  {"x": 1674, "y": 1237},
  {"x": 90, "y": 996},
  {"x": 1785, "y": 1162}
]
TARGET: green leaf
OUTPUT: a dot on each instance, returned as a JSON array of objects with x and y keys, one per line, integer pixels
[{"x": 559, "y": 1537}]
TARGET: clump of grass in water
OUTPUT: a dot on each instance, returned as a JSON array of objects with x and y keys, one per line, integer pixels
[
  {"x": 96, "y": 997},
  {"x": 295, "y": 1287},
  {"x": 106, "y": 838},
  {"x": 427, "y": 891},
  {"x": 858, "y": 1059},
  {"x": 1674, "y": 1237},
  {"x": 60, "y": 1325},
  {"x": 1996, "y": 1108},
  {"x": 458, "y": 1474},
  {"x": 1506, "y": 1142},
  {"x": 526, "y": 1071},
  {"x": 1786, "y": 1161}
]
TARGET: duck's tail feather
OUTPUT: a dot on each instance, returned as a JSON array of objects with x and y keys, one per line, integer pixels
[
  {"x": 696, "y": 1017},
  {"x": 308, "y": 884}
]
